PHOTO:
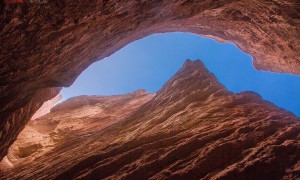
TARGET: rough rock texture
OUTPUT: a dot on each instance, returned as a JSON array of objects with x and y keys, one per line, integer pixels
[
  {"x": 46, "y": 107},
  {"x": 48, "y": 45},
  {"x": 13, "y": 121},
  {"x": 192, "y": 128},
  {"x": 72, "y": 118}
]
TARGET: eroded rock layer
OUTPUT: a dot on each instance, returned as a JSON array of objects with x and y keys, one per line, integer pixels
[
  {"x": 46, "y": 45},
  {"x": 192, "y": 128},
  {"x": 75, "y": 117}
]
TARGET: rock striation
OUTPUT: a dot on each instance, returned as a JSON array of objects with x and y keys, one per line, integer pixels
[
  {"x": 47, "y": 45},
  {"x": 67, "y": 120},
  {"x": 192, "y": 128}
]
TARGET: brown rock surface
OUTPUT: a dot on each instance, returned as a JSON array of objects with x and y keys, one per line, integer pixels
[
  {"x": 192, "y": 128},
  {"x": 14, "y": 119},
  {"x": 48, "y": 45},
  {"x": 76, "y": 116}
]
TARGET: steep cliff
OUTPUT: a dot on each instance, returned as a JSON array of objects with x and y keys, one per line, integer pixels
[
  {"x": 47, "y": 45},
  {"x": 192, "y": 128}
]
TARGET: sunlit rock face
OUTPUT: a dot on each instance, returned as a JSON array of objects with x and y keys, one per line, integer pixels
[
  {"x": 48, "y": 45},
  {"x": 30, "y": 140},
  {"x": 192, "y": 128},
  {"x": 46, "y": 107},
  {"x": 76, "y": 117}
]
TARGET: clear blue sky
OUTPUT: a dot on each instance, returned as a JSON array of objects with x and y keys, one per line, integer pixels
[{"x": 150, "y": 62}]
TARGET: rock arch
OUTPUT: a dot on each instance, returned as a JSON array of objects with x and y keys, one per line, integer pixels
[{"x": 46, "y": 46}]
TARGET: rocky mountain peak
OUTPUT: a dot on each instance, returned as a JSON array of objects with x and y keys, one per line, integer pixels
[{"x": 192, "y": 128}]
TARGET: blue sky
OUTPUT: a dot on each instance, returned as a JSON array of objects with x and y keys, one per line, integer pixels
[{"x": 150, "y": 62}]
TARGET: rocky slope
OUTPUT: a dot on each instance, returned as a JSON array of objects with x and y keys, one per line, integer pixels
[
  {"x": 192, "y": 128},
  {"x": 47, "y": 45},
  {"x": 83, "y": 114}
]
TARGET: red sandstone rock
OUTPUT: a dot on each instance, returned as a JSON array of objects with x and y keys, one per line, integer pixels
[
  {"x": 45, "y": 108},
  {"x": 74, "y": 117},
  {"x": 48, "y": 45},
  {"x": 192, "y": 128}
]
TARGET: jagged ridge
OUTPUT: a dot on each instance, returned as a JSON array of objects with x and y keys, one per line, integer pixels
[{"x": 193, "y": 128}]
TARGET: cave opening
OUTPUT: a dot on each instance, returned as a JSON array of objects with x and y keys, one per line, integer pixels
[
  {"x": 191, "y": 128},
  {"x": 150, "y": 62},
  {"x": 145, "y": 64}
]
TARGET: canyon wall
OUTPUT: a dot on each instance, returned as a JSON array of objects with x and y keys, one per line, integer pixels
[
  {"x": 192, "y": 128},
  {"x": 75, "y": 117},
  {"x": 47, "y": 45}
]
